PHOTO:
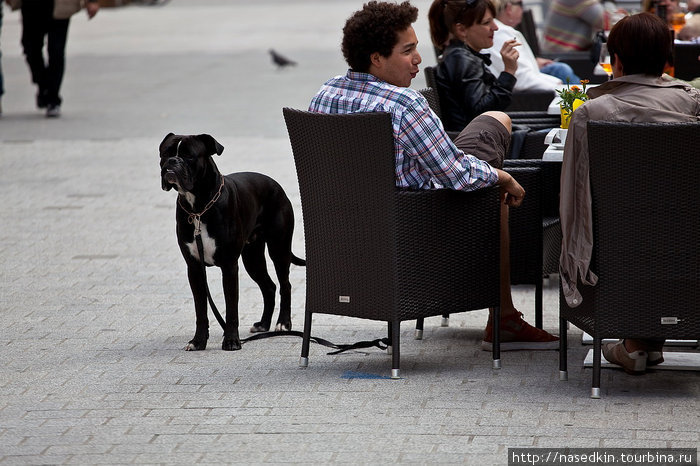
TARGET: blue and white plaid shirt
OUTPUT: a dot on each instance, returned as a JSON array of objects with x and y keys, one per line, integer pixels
[{"x": 426, "y": 158}]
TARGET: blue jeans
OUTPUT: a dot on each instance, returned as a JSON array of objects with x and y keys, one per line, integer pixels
[{"x": 562, "y": 71}]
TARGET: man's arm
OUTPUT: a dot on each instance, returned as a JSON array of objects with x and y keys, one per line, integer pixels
[{"x": 513, "y": 193}]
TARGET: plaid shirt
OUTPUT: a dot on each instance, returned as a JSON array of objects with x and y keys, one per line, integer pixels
[{"x": 426, "y": 158}]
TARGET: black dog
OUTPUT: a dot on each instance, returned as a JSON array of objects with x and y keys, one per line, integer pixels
[{"x": 236, "y": 216}]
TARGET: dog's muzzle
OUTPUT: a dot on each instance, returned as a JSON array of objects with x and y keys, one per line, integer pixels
[{"x": 175, "y": 175}]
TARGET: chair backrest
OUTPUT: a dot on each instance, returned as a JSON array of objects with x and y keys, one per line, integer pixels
[
  {"x": 430, "y": 79},
  {"x": 431, "y": 95},
  {"x": 686, "y": 61},
  {"x": 528, "y": 28},
  {"x": 645, "y": 227},
  {"x": 346, "y": 170}
]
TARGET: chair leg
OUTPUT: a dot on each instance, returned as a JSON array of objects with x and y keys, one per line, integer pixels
[
  {"x": 445, "y": 320},
  {"x": 496, "y": 349},
  {"x": 563, "y": 370},
  {"x": 419, "y": 329},
  {"x": 595, "y": 389},
  {"x": 538, "y": 304},
  {"x": 306, "y": 341},
  {"x": 395, "y": 333}
]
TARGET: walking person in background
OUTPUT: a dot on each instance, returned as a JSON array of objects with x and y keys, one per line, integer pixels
[
  {"x": 49, "y": 19},
  {"x": 2, "y": 84}
]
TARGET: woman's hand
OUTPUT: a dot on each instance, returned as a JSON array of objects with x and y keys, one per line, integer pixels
[{"x": 510, "y": 55}]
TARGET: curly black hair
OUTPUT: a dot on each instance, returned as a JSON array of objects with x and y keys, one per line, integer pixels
[{"x": 375, "y": 28}]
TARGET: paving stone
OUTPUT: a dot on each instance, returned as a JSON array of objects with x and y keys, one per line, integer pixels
[{"x": 97, "y": 309}]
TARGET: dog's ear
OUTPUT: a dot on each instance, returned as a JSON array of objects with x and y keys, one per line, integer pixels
[
  {"x": 164, "y": 141},
  {"x": 210, "y": 144}
]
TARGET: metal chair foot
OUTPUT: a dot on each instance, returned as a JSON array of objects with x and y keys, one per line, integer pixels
[
  {"x": 418, "y": 335},
  {"x": 496, "y": 363},
  {"x": 595, "y": 393},
  {"x": 563, "y": 376},
  {"x": 445, "y": 322},
  {"x": 395, "y": 373},
  {"x": 303, "y": 362}
]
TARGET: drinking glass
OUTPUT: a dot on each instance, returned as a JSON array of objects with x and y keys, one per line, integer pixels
[{"x": 604, "y": 59}]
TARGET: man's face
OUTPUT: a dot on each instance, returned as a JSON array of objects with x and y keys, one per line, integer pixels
[{"x": 401, "y": 66}]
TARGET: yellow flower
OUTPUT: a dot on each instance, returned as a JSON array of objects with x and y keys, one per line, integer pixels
[{"x": 571, "y": 98}]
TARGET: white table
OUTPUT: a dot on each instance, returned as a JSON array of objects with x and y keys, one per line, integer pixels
[{"x": 553, "y": 154}]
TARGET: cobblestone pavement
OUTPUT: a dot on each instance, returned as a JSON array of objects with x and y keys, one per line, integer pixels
[{"x": 96, "y": 308}]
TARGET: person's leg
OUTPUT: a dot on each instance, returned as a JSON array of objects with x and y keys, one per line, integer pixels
[
  {"x": 2, "y": 88},
  {"x": 562, "y": 71},
  {"x": 36, "y": 16},
  {"x": 57, "y": 35},
  {"x": 487, "y": 137}
]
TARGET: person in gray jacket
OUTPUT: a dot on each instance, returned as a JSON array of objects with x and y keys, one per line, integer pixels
[{"x": 639, "y": 46}]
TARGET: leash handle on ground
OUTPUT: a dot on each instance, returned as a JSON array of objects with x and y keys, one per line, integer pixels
[{"x": 380, "y": 343}]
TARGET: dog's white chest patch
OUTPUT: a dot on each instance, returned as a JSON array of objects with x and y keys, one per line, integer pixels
[{"x": 208, "y": 243}]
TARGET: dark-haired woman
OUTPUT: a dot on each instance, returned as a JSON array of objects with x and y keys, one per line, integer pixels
[{"x": 460, "y": 30}]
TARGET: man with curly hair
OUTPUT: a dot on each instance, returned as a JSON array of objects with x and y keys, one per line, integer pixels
[{"x": 380, "y": 46}]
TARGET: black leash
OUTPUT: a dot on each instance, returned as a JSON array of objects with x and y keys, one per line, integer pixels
[{"x": 380, "y": 343}]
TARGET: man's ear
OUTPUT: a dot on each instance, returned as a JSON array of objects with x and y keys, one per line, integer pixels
[
  {"x": 211, "y": 145},
  {"x": 163, "y": 142},
  {"x": 376, "y": 59}
]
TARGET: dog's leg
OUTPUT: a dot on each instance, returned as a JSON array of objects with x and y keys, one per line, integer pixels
[
  {"x": 199, "y": 293},
  {"x": 281, "y": 257},
  {"x": 229, "y": 275},
  {"x": 254, "y": 262}
]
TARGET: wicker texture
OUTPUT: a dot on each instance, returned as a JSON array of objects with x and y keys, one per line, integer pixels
[
  {"x": 685, "y": 61},
  {"x": 646, "y": 242},
  {"x": 535, "y": 230},
  {"x": 377, "y": 252}
]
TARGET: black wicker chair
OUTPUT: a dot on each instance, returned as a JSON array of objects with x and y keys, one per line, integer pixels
[
  {"x": 646, "y": 241},
  {"x": 580, "y": 62},
  {"x": 686, "y": 61},
  {"x": 534, "y": 251},
  {"x": 381, "y": 253},
  {"x": 535, "y": 229},
  {"x": 534, "y": 103}
]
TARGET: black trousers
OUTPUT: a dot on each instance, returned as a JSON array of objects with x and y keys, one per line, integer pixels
[{"x": 37, "y": 24}]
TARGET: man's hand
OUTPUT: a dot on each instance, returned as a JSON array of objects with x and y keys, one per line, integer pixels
[
  {"x": 542, "y": 62},
  {"x": 92, "y": 8},
  {"x": 512, "y": 193}
]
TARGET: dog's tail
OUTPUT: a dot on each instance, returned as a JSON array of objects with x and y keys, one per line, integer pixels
[{"x": 297, "y": 261}]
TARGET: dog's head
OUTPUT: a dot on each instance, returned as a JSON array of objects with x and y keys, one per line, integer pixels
[{"x": 183, "y": 160}]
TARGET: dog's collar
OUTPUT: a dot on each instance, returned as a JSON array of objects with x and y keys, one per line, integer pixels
[{"x": 195, "y": 218}]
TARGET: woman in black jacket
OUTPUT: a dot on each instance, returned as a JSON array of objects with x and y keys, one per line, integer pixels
[{"x": 460, "y": 29}]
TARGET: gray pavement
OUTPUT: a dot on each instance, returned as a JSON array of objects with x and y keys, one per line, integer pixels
[{"x": 96, "y": 309}]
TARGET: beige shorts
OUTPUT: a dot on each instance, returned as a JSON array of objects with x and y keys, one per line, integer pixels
[{"x": 485, "y": 138}]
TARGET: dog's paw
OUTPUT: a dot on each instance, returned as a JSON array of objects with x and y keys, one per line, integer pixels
[
  {"x": 258, "y": 327},
  {"x": 280, "y": 327},
  {"x": 231, "y": 344},
  {"x": 196, "y": 345}
]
